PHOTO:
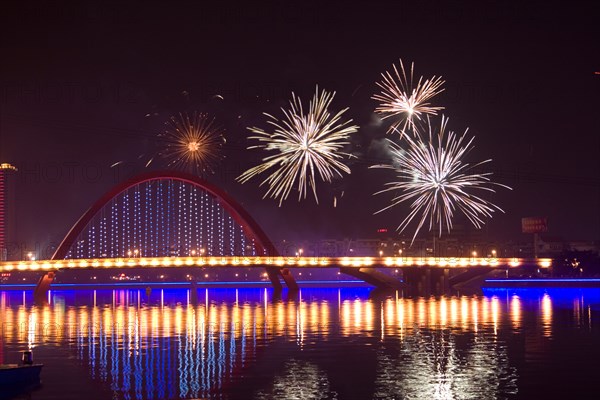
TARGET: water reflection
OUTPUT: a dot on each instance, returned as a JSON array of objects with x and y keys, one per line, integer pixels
[
  {"x": 299, "y": 380},
  {"x": 240, "y": 342}
]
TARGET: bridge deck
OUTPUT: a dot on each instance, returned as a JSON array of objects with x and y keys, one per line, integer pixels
[{"x": 261, "y": 262}]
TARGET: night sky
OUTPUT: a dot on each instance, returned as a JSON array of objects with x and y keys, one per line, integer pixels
[{"x": 85, "y": 86}]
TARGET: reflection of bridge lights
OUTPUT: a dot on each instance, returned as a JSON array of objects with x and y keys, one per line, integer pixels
[
  {"x": 546, "y": 308},
  {"x": 217, "y": 335},
  {"x": 515, "y": 311}
]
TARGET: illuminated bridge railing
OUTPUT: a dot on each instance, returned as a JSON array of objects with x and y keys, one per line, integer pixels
[{"x": 261, "y": 262}]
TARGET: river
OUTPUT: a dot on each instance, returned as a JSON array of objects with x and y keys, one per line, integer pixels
[{"x": 326, "y": 343}]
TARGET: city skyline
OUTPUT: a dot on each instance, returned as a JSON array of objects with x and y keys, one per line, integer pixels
[{"x": 64, "y": 123}]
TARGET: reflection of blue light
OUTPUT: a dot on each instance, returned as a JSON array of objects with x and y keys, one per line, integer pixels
[
  {"x": 138, "y": 371},
  {"x": 152, "y": 284},
  {"x": 543, "y": 280},
  {"x": 172, "y": 295},
  {"x": 114, "y": 361},
  {"x": 560, "y": 297},
  {"x": 103, "y": 354},
  {"x": 149, "y": 372},
  {"x": 183, "y": 365}
]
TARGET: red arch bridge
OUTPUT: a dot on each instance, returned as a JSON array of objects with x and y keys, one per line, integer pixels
[{"x": 173, "y": 219}]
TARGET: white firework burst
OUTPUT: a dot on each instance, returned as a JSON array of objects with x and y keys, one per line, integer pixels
[
  {"x": 409, "y": 103},
  {"x": 303, "y": 145},
  {"x": 435, "y": 179}
]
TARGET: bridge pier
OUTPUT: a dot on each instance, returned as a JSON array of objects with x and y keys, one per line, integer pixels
[
  {"x": 373, "y": 277},
  {"x": 423, "y": 280},
  {"x": 289, "y": 279},
  {"x": 43, "y": 286},
  {"x": 427, "y": 280},
  {"x": 473, "y": 276},
  {"x": 275, "y": 274}
]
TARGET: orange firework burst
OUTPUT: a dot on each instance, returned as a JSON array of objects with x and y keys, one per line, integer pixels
[{"x": 193, "y": 143}]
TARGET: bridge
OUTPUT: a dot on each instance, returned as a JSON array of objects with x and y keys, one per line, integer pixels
[{"x": 174, "y": 219}]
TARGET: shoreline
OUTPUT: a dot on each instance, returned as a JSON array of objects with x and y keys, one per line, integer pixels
[
  {"x": 542, "y": 283},
  {"x": 488, "y": 283},
  {"x": 182, "y": 285}
]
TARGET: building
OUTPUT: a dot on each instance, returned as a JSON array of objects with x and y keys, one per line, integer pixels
[{"x": 6, "y": 209}]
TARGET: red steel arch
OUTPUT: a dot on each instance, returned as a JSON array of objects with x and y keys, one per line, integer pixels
[{"x": 237, "y": 212}]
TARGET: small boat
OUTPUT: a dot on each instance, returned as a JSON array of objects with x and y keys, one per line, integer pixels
[{"x": 20, "y": 376}]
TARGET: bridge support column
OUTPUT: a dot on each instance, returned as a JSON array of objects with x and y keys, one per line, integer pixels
[
  {"x": 426, "y": 280},
  {"x": 440, "y": 280},
  {"x": 417, "y": 279},
  {"x": 288, "y": 278},
  {"x": 472, "y": 277},
  {"x": 43, "y": 286},
  {"x": 373, "y": 277},
  {"x": 273, "y": 274}
]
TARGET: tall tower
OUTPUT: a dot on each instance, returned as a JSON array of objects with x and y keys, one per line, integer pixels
[{"x": 5, "y": 169}]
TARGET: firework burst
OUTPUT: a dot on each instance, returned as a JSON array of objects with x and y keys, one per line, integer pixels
[
  {"x": 437, "y": 182},
  {"x": 192, "y": 142},
  {"x": 400, "y": 98},
  {"x": 303, "y": 145}
]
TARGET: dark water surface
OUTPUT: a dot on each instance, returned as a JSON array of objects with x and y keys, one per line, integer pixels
[{"x": 321, "y": 343}]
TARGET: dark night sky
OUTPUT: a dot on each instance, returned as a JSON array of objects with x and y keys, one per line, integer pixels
[{"x": 78, "y": 83}]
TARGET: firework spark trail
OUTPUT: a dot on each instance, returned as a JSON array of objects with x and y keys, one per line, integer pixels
[
  {"x": 399, "y": 98},
  {"x": 304, "y": 144},
  {"x": 192, "y": 142},
  {"x": 435, "y": 179}
]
